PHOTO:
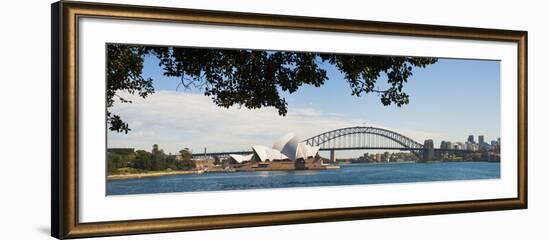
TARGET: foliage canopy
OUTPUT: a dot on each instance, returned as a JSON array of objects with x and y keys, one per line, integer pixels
[{"x": 253, "y": 78}]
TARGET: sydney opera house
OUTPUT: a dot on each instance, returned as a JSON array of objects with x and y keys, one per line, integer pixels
[{"x": 287, "y": 153}]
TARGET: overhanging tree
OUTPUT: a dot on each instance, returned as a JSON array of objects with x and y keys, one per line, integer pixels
[{"x": 253, "y": 78}]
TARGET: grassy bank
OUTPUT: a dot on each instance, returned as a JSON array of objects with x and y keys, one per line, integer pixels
[{"x": 130, "y": 173}]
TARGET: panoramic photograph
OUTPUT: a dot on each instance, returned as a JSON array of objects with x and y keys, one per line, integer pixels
[{"x": 190, "y": 119}]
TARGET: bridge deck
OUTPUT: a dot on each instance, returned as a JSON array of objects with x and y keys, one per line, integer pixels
[
  {"x": 356, "y": 138},
  {"x": 332, "y": 149}
]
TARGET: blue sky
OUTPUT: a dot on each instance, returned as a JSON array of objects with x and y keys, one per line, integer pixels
[{"x": 448, "y": 101}]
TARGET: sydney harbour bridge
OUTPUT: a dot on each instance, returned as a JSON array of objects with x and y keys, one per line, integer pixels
[{"x": 362, "y": 138}]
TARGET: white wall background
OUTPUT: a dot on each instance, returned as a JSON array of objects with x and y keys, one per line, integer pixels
[{"x": 25, "y": 119}]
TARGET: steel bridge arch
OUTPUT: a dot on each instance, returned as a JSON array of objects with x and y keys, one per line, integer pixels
[{"x": 404, "y": 141}]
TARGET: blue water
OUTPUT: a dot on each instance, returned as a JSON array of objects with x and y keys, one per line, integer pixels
[{"x": 348, "y": 174}]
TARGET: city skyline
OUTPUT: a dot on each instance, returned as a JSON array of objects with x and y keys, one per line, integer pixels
[{"x": 468, "y": 89}]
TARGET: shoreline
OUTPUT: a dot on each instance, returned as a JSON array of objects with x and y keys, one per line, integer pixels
[
  {"x": 168, "y": 173},
  {"x": 146, "y": 175}
]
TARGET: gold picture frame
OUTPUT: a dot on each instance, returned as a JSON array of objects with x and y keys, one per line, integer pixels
[{"x": 65, "y": 126}]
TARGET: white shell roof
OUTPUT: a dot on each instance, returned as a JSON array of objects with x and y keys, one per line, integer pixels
[
  {"x": 292, "y": 149},
  {"x": 291, "y": 146},
  {"x": 266, "y": 153},
  {"x": 286, "y": 147},
  {"x": 281, "y": 142},
  {"x": 312, "y": 151},
  {"x": 241, "y": 158}
]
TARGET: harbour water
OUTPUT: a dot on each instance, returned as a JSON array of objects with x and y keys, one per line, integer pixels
[{"x": 348, "y": 174}]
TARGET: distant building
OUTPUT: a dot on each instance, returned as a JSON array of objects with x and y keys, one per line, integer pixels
[
  {"x": 364, "y": 158},
  {"x": 480, "y": 141},
  {"x": 459, "y": 146},
  {"x": 446, "y": 145},
  {"x": 471, "y": 139},
  {"x": 202, "y": 164},
  {"x": 495, "y": 146},
  {"x": 471, "y": 146},
  {"x": 485, "y": 147},
  {"x": 386, "y": 156}
]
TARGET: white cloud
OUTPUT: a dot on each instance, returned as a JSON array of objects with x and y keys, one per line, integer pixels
[{"x": 175, "y": 120}]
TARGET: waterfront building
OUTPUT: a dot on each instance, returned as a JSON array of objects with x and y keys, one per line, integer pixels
[
  {"x": 287, "y": 153},
  {"x": 364, "y": 158},
  {"x": 446, "y": 145},
  {"x": 288, "y": 147},
  {"x": 443, "y": 145},
  {"x": 291, "y": 146},
  {"x": 263, "y": 153},
  {"x": 241, "y": 158},
  {"x": 471, "y": 146},
  {"x": 480, "y": 141},
  {"x": 202, "y": 164},
  {"x": 495, "y": 146},
  {"x": 485, "y": 147}
]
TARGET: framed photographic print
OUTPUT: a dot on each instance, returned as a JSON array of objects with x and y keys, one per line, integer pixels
[{"x": 167, "y": 119}]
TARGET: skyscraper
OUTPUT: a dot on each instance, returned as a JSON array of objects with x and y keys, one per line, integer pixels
[
  {"x": 471, "y": 139},
  {"x": 481, "y": 142}
]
